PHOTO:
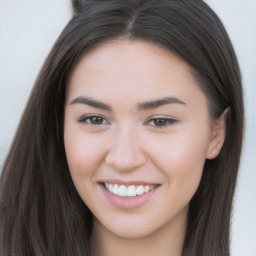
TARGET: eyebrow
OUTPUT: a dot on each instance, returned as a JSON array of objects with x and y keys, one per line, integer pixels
[
  {"x": 160, "y": 102},
  {"x": 141, "y": 106},
  {"x": 92, "y": 103}
]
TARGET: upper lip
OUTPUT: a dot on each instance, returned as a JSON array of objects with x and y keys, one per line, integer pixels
[{"x": 127, "y": 182}]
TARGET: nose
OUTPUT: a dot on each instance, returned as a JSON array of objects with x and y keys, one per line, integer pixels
[{"x": 125, "y": 152}]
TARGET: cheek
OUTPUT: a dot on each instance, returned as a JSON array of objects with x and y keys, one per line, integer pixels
[
  {"x": 83, "y": 156},
  {"x": 181, "y": 157},
  {"x": 83, "y": 153},
  {"x": 188, "y": 153},
  {"x": 184, "y": 150}
]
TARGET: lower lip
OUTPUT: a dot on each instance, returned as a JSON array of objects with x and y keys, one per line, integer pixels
[{"x": 128, "y": 203}]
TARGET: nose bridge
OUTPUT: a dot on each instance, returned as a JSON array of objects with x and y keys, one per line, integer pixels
[{"x": 125, "y": 151}]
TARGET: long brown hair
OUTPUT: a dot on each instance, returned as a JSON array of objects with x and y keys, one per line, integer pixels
[{"x": 41, "y": 212}]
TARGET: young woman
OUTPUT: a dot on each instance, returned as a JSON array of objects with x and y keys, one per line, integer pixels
[{"x": 131, "y": 139}]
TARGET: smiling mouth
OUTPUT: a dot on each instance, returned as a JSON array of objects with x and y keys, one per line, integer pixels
[{"x": 129, "y": 191}]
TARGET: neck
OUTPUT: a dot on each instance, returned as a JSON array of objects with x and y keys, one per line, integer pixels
[{"x": 168, "y": 240}]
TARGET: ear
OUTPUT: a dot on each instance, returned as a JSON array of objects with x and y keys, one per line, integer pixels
[{"x": 218, "y": 136}]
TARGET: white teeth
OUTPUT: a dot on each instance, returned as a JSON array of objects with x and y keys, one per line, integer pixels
[
  {"x": 140, "y": 190},
  {"x": 132, "y": 190},
  {"x": 146, "y": 189},
  {"x": 110, "y": 188},
  {"x": 122, "y": 191},
  {"x": 115, "y": 190}
]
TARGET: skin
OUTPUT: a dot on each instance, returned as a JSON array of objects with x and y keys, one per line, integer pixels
[{"x": 129, "y": 143}]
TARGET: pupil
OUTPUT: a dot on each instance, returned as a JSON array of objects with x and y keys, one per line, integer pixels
[
  {"x": 160, "y": 122},
  {"x": 96, "y": 120}
]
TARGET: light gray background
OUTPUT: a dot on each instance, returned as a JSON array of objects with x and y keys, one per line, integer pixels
[{"x": 28, "y": 29}]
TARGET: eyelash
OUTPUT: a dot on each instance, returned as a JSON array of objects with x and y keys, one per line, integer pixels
[
  {"x": 88, "y": 120},
  {"x": 162, "y": 121}
]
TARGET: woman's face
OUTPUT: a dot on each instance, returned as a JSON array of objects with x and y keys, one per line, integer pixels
[{"x": 137, "y": 132}]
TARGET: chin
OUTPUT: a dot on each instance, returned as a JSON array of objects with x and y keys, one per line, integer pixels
[{"x": 135, "y": 233}]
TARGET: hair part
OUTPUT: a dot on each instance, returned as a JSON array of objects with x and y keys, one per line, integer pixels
[{"x": 41, "y": 211}]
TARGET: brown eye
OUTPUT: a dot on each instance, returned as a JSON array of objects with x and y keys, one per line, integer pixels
[
  {"x": 162, "y": 122},
  {"x": 93, "y": 120},
  {"x": 96, "y": 120}
]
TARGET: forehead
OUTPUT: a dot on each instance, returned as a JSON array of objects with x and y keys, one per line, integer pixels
[{"x": 136, "y": 69}]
